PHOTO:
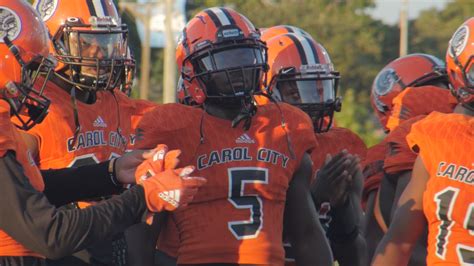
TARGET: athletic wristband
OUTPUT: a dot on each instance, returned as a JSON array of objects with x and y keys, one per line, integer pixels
[{"x": 111, "y": 171}]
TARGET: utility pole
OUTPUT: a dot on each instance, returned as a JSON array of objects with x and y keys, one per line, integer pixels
[
  {"x": 169, "y": 73},
  {"x": 404, "y": 28},
  {"x": 142, "y": 12}
]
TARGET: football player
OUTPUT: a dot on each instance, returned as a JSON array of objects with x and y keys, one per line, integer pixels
[
  {"x": 255, "y": 158},
  {"x": 301, "y": 74},
  {"x": 91, "y": 118},
  {"x": 407, "y": 87},
  {"x": 439, "y": 194},
  {"x": 31, "y": 228}
]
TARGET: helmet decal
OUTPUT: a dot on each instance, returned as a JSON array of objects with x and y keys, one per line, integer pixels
[
  {"x": 459, "y": 41},
  {"x": 385, "y": 81},
  {"x": 46, "y": 8},
  {"x": 10, "y": 24}
]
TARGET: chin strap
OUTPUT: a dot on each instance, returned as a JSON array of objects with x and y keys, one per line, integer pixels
[
  {"x": 246, "y": 114},
  {"x": 119, "y": 128},
  {"x": 76, "y": 115}
]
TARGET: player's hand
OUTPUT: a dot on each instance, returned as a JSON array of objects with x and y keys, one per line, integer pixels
[
  {"x": 171, "y": 189},
  {"x": 334, "y": 178},
  {"x": 126, "y": 165},
  {"x": 165, "y": 187},
  {"x": 158, "y": 160}
]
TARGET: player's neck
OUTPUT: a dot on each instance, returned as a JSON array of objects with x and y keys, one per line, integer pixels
[
  {"x": 460, "y": 109},
  {"x": 81, "y": 95},
  {"x": 223, "y": 112}
]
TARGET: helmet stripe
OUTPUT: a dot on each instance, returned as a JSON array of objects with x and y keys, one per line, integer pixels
[
  {"x": 313, "y": 50},
  {"x": 91, "y": 7},
  {"x": 228, "y": 15},
  {"x": 299, "y": 47},
  {"x": 213, "y": 17},
  {"x": 289, "y": 29},
  {"x": 310, "y": 58},
  {"x": 221, "y": 16},
  {"x": 98, "y": 8},
  {"x": 104, "y": 7}
]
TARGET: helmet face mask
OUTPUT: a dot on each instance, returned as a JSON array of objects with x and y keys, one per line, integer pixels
[
  {"x": 94, "y": 55},
  {"x": 26, "y": 65},
  {"x": 30, "y": 106},
  {"x": 221, "y": 58},
  {"x": 229, "y": 71},
  {"x": 314, "y": 92},
  {"x": 303, "y": 78}
]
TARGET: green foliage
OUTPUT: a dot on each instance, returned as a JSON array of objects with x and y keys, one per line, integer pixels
[
  {"x": 356, "y": 115},
  {"x": 432, "y": 30}
]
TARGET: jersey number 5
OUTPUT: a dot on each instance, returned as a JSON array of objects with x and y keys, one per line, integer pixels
[
  {"x": 238, "y": 177},
  {"x": 445, "y": 200}
]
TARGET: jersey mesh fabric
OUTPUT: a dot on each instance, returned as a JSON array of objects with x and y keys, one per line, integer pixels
[{"x": 445, "y": 143}]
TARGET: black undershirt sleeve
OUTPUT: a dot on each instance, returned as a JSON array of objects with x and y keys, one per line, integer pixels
[
  {"x": 63, "y": 186},
  {"x": 28, "y": 217}
]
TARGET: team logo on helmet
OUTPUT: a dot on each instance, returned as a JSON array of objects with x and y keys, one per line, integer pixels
[
  {"x": 385, "y": 81},
  {"x": 10, "y": 24},
  {"x": 459, "y": 41},
  {"x": 46, "y": 8}
]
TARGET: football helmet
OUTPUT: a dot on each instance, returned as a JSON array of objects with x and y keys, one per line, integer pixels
[
  {"x": 220, "y": 57},
  {"x": 412, "y": 70},
  {"x": 88, "y": 40},
  {"x": 460, "y": 63},
  {"x": 24, "y": 63},
  {"x": 271, "y": 32},
  {"x": 301, "y": 73}
]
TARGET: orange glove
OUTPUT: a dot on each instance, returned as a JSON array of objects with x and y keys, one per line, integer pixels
[
  {"x": 161, "y": 160},
  {"x": 166, "y": 188}
]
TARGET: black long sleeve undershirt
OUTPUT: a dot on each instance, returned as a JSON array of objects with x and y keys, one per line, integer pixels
[
  {"x": 28, "y": 216},
  {"x": 63, "y": 186}
]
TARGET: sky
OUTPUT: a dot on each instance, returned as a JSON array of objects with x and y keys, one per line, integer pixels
[{"x": 389, "y": 10}]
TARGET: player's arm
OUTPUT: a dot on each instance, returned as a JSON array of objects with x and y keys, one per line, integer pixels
[
  {"x": 67, "y": 185},
  {"x": 344, "y": 232},
  {"x": 397, "y": 245},
  {"x": 418, "y": 256},
  {"x": 302, "y": 222},
  {"x": 28, "y": 217}
]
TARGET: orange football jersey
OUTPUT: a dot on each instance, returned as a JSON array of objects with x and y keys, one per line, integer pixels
[
  {"x": 372, "y": 169},
  {"x": 237, "y": 217},
  {"x": 106, "y": 129},
  {"x": 399, "y": 156},
  {"x": 445, "y": 143},
  {"x": 11, "y": 140},
  {"x": 415, "y": 101}
]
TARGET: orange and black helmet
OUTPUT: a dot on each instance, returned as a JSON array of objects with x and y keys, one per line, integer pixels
[
  {"x": 88, "y": 40},
  {"x": 412, "y": 70},
  {"x": 25, "y": 57},
  {"x": 220, "y": 57},
  {"x": 301, "y": 73},
  {"x": 271, "y": 32},
  {"x": 460, "y": 63}
]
